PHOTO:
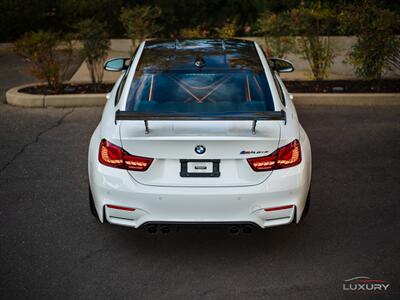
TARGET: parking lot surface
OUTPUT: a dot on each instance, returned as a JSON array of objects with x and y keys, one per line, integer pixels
[{"x": 51, "y": 247}]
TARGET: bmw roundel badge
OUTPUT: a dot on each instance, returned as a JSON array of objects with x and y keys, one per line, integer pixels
[{"x": 200, "y": 149}]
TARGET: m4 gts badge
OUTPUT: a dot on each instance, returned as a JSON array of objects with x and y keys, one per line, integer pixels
[{"x": 253, "y": 152}]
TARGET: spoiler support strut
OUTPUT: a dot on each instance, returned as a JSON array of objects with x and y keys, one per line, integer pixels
[{"x": 146, "y": 127}]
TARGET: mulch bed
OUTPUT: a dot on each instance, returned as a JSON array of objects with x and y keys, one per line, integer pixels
[
  {"x": 325, "y": 86},
  {"x": 68, "y": 89}
]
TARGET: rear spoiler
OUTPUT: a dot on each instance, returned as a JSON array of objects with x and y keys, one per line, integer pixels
[{"x": 173, "y": 116}]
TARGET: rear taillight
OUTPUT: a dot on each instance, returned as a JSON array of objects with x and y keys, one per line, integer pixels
[
  {"x": 283, "y": 157},
  {"x": 116, "y": 157}
]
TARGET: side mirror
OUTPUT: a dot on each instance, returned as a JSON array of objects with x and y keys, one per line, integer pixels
[
  {"x": 117, "y": 64},
  {"x": 281, "y": 65}
]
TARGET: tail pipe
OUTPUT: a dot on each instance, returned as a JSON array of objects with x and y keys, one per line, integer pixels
[
  {"x": 152, "y": 229},
  {"x": 234, "y": 229},
  {"x": 165, "y": 229}
]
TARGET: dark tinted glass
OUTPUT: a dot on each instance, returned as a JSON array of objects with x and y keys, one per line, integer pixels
[{"x": 200, "y": 76}]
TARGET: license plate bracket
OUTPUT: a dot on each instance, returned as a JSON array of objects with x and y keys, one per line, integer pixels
[{"x": 200, "y": 168}]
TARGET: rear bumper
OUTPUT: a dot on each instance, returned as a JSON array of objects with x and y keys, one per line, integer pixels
[{"x": 286, "y": 187}]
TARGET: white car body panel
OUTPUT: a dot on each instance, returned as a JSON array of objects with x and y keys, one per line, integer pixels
[
  {"x": 178, "y": 139},
  {"x": 160, "y": 194}
]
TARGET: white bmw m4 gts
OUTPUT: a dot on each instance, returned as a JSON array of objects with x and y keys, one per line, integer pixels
[{"x": 199, "y": 131}]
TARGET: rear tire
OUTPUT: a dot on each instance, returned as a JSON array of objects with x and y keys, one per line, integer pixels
[{"x": 92, "y": 206}]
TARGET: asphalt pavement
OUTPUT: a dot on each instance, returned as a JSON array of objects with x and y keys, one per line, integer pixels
[{"x": 51, "y": 246}]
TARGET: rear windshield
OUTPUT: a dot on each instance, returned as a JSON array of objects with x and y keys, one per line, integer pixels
[{"x": 200, "y": 78}]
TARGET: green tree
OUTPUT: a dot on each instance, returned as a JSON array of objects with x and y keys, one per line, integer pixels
[
  {"x": 95, "y": 45},
  {"x": 68, "y": 13},
  {"x": 140, "y": 22},
  {"x": 377, "y": 49}
]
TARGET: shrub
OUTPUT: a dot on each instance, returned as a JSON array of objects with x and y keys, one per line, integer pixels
[
  {"x": 277, "y": 34},
  {"x": 377, "y": 49},
  {"x": 310, "y": 24},
  {"x": 279, "y": 46},
  {"x": 95, "y": 45},
  {"x": 140, "y": 22},
  {"x": 319, "y": 54},
  {"x": 228, "y": 30},
  {"x": 195, "y": 32},
  {"x": 50, "y": 55}
]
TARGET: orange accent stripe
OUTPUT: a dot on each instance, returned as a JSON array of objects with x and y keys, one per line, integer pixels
[
  {"x": 151, "y": 88},
  {"x": 212, "y": 91},
  {"x": 187, "y": 90},
  {"x": 248, "y": 95}
]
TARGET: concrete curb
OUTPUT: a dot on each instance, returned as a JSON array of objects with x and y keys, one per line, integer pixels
[
  {"x": 344, "y": 99},
  {"x": 16, "y": 98}
]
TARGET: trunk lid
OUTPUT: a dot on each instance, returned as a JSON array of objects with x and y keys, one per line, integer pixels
[{"x": 229, "y": 142}]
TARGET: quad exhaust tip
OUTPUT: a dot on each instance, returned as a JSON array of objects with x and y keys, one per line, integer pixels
[
  {"x": 165, "y": 229},
  {"x": 247, "y": 229},
  {"x": 233, "y": 229},
  {"x": 152, "y": 229}
]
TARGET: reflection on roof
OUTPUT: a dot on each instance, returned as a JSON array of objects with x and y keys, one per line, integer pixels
[{"x": 160, "y": 55}]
